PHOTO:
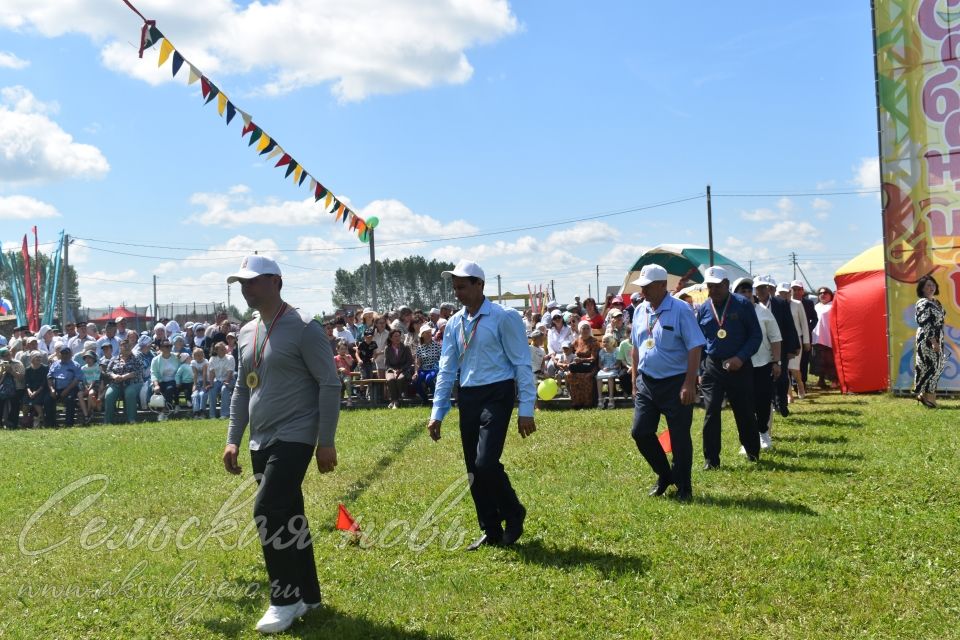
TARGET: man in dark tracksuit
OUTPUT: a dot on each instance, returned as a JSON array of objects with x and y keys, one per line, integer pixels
[
  {"x": 765, "y": 287},
  {"x": 732, "y": 332}
]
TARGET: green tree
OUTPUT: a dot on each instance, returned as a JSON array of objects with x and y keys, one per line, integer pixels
[
  {"x": 411, "y": 281},
  {"x": 16, "y": 259}
]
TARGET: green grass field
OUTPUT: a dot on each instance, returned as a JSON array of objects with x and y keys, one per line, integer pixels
[{"x": 849, "y": 528}]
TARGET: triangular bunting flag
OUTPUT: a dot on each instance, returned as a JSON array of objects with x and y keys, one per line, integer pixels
[
  {"x": 345, "y": 521},
  {"x": 319, "y": 192},
  {"x": 313, "y": 183},
  {"x": 284, "y": 160},
  {"x": 214, "y": 92},
  {"x": 290, "y": 168},
  {"x": 231, "y": 111},
  {"x": 204, "y": 86},
  {"x": 177, "y": 62},
  {"x": 326, "y": 203},
  {"x": 257, "y": 132},
  {"x": 264, "y": 141},
  {"x": 303, "y": 176},
  {"x": 297, "y": 173},
  {"x": 353, "y": 222},
  {"x": 165, "y": 50},
  {"x": 361, "y": 226},
  {"x": 194, "y": 74},
  {"x": 153, "y": 37},
  {"x": 277, "y": 150},
  {"x": 221, "y": 104},
  {"x": 269, "y": 147},
  {"x": 664, "y": 439},
  {"x": 246, "y": 116}
]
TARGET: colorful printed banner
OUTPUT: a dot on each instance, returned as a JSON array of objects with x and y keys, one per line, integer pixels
[
  {"x": 264, "y": 143},
  {"x": 918, "y": 84}
]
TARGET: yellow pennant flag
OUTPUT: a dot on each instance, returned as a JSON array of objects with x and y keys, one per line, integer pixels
[
  {"x": 221, "y": 103},
  {"x": 277, "y": 150},
  {"x": 296, "y": 173},
  {"x": 165, "y": 50},
  {"x": 263, "y": 142},
  {"x": 194, "y": 75},
  {"x": 327, "y": 200}
]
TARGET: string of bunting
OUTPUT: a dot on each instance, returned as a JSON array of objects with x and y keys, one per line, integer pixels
[{"x": 264, "y": 143}]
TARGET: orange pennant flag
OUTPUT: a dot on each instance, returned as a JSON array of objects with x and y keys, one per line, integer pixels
[
  {"x": 345, "y": 521},
  {"x": 664, "y": 439}
]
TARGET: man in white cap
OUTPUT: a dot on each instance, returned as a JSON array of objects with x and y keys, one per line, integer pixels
[
  {"x": 487, "y": 344},
  {"x": 666, "y": 357},
  {"x": 810, "y": 311},
  {"x": 765, "y": 288},
  {"x": 803, "y": 331},
  {"x": 729, "y": 324},
  {"x": 289, "y": 393}
]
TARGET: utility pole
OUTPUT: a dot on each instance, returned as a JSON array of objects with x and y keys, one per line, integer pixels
[
  {"x": 156, "y": 312},
  {"x": 589, "y": 293},
  {"x": 750, "y": 267},
  {"x": 373, "y": 272},
  {"x": 228, "y": 297},
  {"x": 598, "y": 281},
  {"x": 553, "y": 291},
  {"x": 710, "y": 225},
  {"x": 499, "y": 292},
  {"x": 793, "y": 259},
  {"x": 65, "y": 289}
]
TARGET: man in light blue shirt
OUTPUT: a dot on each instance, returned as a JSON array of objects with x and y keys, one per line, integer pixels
[
  {"x": 487, "y": 344},
  {"x": 667, "y": 342}
]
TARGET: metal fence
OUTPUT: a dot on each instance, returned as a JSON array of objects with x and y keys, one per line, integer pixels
[{"x": 146, "y": 316}]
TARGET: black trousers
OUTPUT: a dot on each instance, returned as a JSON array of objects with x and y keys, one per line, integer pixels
[
  {"x": 737, "y": 386},
  {"x": 804, "y": 364},
  {"x": 283, "y": 527},
  {"x": 484, "y": 419},
  {"x": 656, "y": 397},
  {"x": 763, "y": 394},
  {"x": 50, "y": 408},
  {"x": 10, "y": 411},
  {"x": 782, "y": 385}
]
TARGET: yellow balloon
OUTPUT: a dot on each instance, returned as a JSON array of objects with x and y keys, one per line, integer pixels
[{"x": 547, "y": 389}]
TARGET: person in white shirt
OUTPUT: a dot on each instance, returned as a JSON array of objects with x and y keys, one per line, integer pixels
[
  {"x": 537, "y": 354},
  {"x": 343, "y": 332},
  {"x": 558, "y": 334},
  {"x": 220, "y": 380},
  {"x": 766, "y": 363},
  {"x": 803, "y": 331}
]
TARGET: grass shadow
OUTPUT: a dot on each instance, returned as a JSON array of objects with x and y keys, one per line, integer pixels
[
  {"x": 802, "y": 421},
  {"x": 766, "y": 464},
  {"x": 608, "y": 564},
  {"x": 363, "y": 483},
  {"x": 832, "y": 412},
  {"x": 815, "y": 439},
  {"x": 828, "y": 455},
  {"x": 755, "y": 504}
]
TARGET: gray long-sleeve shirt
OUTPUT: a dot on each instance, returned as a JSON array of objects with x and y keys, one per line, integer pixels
[{"x": 297, "y": 398}]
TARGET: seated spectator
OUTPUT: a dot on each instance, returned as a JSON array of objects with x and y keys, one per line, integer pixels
[
  {"x": 220, "y": 375},
  {"x": 592, "y": 314},
  {"x": 35, "y": 377},
  {"x": 615, "y": 324},
  {"x": 11, "y": 381},
  {"x": 345, "y": 363},
  {"x": 399, "y": 363},
  {"x": 125, "y": 377},
  {"x": 625, "y": 356},
  {"x": 609, "y": 371},
  {"x": 200, "y": 384},
  {"x": 367, "y": 351},
  {"x": 537, "y": 354},
  {"x": 558, "y": 334},
  {"x": 163, "y": 376},
  {"x": 63, "y": 379},
  {"x": 184, "y": 379},
  {"x": 91, "y": 390},
  {"x": 427, "y": 361}
]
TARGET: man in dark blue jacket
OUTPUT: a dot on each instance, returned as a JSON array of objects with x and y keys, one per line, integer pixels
[
  {"x": 732, "y": 331},
  {"x": 765, "y": 287}
]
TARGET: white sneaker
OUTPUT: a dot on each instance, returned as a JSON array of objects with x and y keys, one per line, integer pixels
[
  {"x": 765, "y": 441},
  {"x": 743, "y": 451},
  {"x": 279, "y": 618}
]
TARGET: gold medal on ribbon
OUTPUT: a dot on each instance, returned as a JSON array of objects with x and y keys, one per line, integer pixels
[
  {"x": 721, "y": 333},
  {"x": 253, "y": 380},
  {"x": 649, "y": 343}
]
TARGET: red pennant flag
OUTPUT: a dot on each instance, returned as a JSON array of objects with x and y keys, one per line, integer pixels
[
  {"x": 204, "y": 86},
  {"x": 36, "y": 266},
  {"x": 28, "y": 286},
  {"x": 664, "y": 439},
  {"x": 247, "y": 128},
  {"x": 345, "y": 521},
  {"x": 284, "y": 159}
]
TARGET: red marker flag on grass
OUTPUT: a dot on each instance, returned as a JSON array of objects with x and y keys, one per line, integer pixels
[
  {"x": 345, "y": 521},
  {"x": 664, "y": 439}
]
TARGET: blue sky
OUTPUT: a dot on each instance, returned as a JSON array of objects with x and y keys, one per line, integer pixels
[{"x": 444, "y": 119}]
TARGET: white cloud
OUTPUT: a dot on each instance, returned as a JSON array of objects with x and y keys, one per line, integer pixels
[
  {"x": 866, "y": 175},
  {"x": 554, "y": 245},
  {"x": 223, "y": 257},
  {"x": 785, "y": 207},
  {"x": 25, "y": 208},
  {"x": 362, "y": 48},
  {"x": 34, "y": 149},
  {"x": 792, "y": 234},
  {"x": 11, "y": 61},
  {"x": 822, "y": 208}
]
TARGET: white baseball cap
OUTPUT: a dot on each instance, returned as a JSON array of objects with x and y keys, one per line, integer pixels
[
  {"x": 651, "y": 273},
  {"x": 796, "y": 283},
  {"x": 434, "y": 311},
  {"x": 765, "y": 281},
  {"x": 739, "y": 281},
  {"x": 253, "y": 266},
  {"x": 783, "y": 287},
  {"x": 465, "y": 269},
  {"x": 715, "y": 275}
]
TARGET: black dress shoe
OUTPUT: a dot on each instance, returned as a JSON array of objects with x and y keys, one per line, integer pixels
[
  {"x": 683, "y": 494},
  {"x": 514, "y": 527},
  {"x": 486, "y": 540},
  {"x": 660, "y": 488},
  {"x": 708, "y": 465},
  {"x": 752, "y": 458}
]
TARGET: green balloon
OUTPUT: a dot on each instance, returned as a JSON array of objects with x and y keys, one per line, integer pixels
[
  {"x": 373, "y": 221},
  {"x": 364, "y": 237}
]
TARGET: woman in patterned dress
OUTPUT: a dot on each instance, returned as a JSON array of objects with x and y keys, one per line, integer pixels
[
  {"x": 929, "y": 352},
  {"x": 581, "y": 374}
]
